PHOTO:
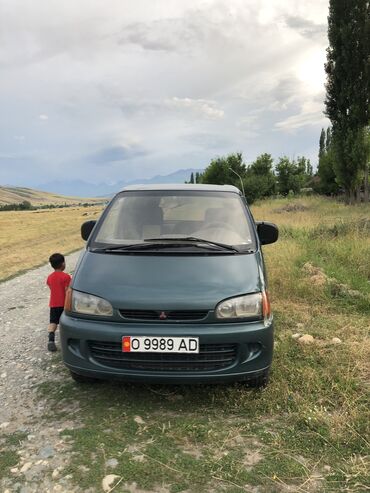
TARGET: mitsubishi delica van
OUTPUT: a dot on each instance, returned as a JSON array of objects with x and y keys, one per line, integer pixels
[{"x": 171, "y": 288}]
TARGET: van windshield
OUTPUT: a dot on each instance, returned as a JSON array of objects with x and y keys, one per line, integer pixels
[{"x": 135, "y": 217}]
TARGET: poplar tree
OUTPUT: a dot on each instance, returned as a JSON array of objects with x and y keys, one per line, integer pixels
[
  {"x": 328, "y": 184},
  {"x": 347, "y": 89},
  {"x": 322, "y": 144},
  {"x": 328, "y": 139}
]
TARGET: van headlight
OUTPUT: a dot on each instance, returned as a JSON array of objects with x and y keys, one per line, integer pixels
[
  {"x": 247, "y": 306},
  {"x": 90, "y": 305}
]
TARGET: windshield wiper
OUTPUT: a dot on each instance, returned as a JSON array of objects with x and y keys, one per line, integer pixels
[
  {"x": 131, "y": 246},
  {"x": 148, "y": 246},
  {"x": 194, "y": 240},
  {"x": 151, "y": 244},
  {"x": 172, "y": 242}
]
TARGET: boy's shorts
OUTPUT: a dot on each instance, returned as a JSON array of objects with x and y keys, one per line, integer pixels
[{"x": 55, "y": 313}]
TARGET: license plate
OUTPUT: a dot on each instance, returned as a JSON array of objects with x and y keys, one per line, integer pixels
[{"x": 149, "y": 344}]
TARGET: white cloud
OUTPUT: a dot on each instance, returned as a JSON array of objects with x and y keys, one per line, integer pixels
[
  {"x": 310, "y": 114},
  {"x": 186, "y": 78},
  {"x": 200, "y": 107},
  {"x": 300, "y": 120}
]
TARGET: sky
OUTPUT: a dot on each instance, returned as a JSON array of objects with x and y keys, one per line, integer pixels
[{"x": 128, "y": 89}]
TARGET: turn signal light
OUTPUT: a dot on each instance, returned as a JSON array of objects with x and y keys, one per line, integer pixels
[{"x": 266, "y": 306}]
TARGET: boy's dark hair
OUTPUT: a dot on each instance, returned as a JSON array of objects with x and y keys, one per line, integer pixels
[{"x": 56, "y": 260}]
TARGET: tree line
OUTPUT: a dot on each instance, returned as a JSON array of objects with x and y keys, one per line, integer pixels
[
  {"x": 21, "y": 206},
  {"x": 27, "y": 206},
  {"x": 261, "y": 178}
]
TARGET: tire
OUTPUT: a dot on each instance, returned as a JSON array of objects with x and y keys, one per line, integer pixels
[
  {"x": 81, "y": 378},
  {"x": 260, "y": 381}
]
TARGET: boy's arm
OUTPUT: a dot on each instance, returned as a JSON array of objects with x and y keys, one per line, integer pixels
[{"x": 67, "y": 282}]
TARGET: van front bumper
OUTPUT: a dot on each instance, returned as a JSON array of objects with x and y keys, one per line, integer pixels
[{"x": 228, "y": 351}]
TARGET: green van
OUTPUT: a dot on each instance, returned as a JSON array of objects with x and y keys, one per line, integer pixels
[{"x": 171, "y": 288}]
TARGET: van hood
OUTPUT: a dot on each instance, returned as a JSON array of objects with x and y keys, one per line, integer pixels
[{"x": 168, "y": 282}]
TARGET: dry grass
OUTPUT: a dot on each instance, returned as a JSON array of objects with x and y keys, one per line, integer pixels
[
  {"x": 28, "y": 238},
  {"x": 310, "y": 426},
  {"x": 14, "y": 195},
  {"x": 308, "y": 212}
]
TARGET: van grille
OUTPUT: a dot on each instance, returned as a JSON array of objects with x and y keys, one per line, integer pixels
[
  {"x": 163, "y": 316},
  {"x": 210, "y": 357}
]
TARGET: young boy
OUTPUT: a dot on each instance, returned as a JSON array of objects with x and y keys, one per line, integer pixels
[{"x": 58, "y": 283}]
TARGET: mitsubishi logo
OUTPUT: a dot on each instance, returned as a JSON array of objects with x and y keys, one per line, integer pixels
[{"x": 162, "y": 316}]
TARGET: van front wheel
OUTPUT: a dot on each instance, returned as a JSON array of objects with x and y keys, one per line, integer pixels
[{"x": 81, "y": 378}]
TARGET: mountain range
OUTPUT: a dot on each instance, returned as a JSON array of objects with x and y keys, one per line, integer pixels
[{"x": 81, "y": 188}]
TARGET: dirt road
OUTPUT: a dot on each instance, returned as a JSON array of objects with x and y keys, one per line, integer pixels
[{"x": 32, "y": 453}]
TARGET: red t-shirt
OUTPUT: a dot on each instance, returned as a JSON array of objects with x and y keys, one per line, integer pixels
[{"x": 58, "y": 282}]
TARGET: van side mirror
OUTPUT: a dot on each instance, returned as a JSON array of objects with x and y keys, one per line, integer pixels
[
  {"x": 86, "y": 229},
  {"x": 267, "y": 232}
]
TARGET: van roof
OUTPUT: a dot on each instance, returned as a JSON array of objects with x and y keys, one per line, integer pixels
[{"x": 183, "y": 186}]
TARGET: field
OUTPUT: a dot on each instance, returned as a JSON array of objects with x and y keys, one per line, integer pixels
[
  {"x": 307, "y": 431},
  {"x": 28, "y": 238},
  {"x": 14, "y": 195}
]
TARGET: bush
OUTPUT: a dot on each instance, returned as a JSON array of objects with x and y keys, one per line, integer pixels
[{"x": 21, "y": 206}]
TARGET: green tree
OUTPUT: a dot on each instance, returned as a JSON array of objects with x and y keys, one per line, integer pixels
[
  {"x": 260, "y": 180},
  {"x": 327, "y": 180},
  {"x": 347, "y": 89},
  {"x": 322, "y": 144},
  {"x": 304, "y": 171},
  {"x": 328, "y": 184},
  {"x": 224, "y": 170},
  {"x": 26, "y": 205},
  {"x": 263, "y": 165},
  {"x": 328, "y": 139},
  {"x": 287, "y": 176},
  {"x": 192, "y": 178}
]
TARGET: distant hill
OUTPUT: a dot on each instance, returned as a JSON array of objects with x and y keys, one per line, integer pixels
[
  {"x": 83, "y": 188},
  {"x": 15, "y": 195}
]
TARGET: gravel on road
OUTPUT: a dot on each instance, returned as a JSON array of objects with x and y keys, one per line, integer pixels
[{"x": 26, "y": 417}]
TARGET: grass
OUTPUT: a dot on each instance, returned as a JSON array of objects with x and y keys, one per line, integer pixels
[
  {"x": 8, "y": 459},
  {"x": 28, "y": 238},
  {"x": 13, "y": 195},
  {"x": 8, "y": 451},
  {"x": 307, "y": 431}
]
